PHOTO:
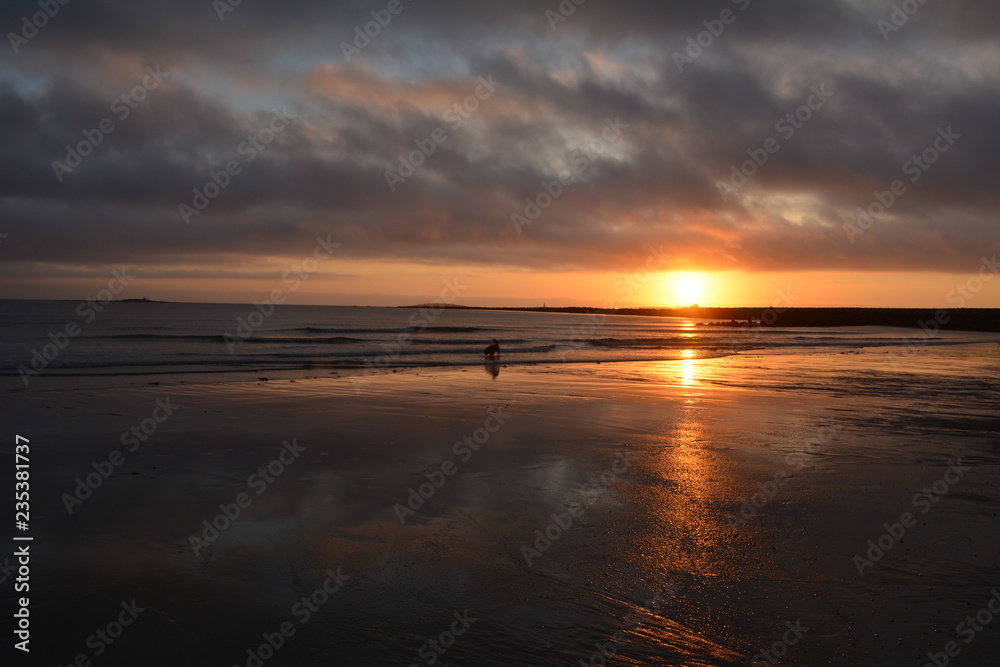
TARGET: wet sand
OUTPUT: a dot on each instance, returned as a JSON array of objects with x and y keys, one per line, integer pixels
[{"x": 571, "y": 513}]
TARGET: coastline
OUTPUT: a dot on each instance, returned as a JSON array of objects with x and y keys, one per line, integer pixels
[{"x": 931, "y": 319}]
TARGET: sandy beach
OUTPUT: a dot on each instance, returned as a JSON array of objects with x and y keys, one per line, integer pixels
[{"x": 699, "y": 513}]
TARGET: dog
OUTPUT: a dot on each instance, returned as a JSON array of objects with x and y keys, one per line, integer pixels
[{"x": 492, "y": 351}]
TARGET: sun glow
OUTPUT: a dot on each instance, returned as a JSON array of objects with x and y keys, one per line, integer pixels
[{"x": 685, "y": 288}]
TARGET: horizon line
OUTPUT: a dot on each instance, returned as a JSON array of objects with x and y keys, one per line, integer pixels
[{"x": 531, "y": 308}]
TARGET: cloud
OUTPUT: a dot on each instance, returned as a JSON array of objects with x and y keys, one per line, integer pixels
[{"x": 656, "y": 185}]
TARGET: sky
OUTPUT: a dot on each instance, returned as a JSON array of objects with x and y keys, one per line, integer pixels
[{"x": 583, "y": 152}]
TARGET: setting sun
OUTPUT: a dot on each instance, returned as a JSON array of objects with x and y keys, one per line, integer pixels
[{"x": 685, "y": 288}]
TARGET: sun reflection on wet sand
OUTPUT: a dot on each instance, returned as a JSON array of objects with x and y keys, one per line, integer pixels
[
  {"x": 688, "y": 481},
  {"x": 690, "y": 463},
  {"x": 688, "y": 368}
]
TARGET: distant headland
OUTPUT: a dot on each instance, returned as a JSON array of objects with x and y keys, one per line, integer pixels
[{"x": 932, "y": 319}]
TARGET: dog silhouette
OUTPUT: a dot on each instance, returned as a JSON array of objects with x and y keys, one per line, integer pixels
[{"x": 492, "y": 351}]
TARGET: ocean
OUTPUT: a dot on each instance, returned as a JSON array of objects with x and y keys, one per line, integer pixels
[{"x": 59, "y": 338}]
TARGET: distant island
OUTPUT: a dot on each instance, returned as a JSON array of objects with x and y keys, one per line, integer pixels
[
  {"x": 961, "y": 319},
  {"x": 142, "y": 300}
]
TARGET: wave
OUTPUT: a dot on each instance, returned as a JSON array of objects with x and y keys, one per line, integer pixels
[
  {"x": 218, "y": 338},
  {"x": 670, "y": 341},
  {"x": 152, "y": 336},
  {"x": 388, "y": 330},
  {"x": 335, "y": 340}
]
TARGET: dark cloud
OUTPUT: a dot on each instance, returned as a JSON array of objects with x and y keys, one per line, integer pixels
[{"x": 657, "y": 184}]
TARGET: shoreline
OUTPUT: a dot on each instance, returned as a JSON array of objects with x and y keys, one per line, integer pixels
[{"x": 48, "y": 380}]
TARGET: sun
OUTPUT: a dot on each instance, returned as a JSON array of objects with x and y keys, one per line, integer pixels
[{"x": 688, "y": 288}]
